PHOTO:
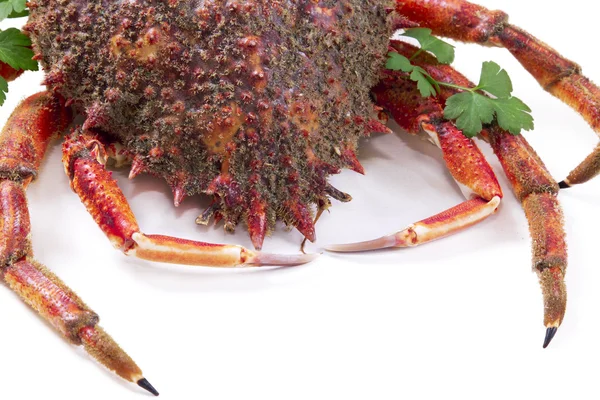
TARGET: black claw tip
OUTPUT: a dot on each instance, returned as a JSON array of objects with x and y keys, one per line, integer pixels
[
  {"x": 550, "y": 332},
  {"x": 143, "y": 383},
  {"x": 564, "y": 185}
]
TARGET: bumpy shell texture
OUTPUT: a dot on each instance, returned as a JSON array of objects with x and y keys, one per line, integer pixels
[{"x": 253, "y": 102}]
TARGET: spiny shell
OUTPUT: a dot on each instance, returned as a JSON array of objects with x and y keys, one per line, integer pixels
[{"x": 254, "y": 102}]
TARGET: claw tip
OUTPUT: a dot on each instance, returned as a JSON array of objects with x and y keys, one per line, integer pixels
[
  {"x": 564, "y": 185},
  {"x": 377, "y": 244},
  {"x": 267, "y": 259},
  {"x": 550, "y": 332},
  {"x": 143, "y": 383}
]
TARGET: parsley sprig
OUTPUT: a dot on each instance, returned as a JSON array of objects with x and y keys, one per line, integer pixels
[
  {"x": 13, "y": 9},
  {"x": 15, "y": 47},
  {"x": 15, "y": 50},
  {"x": 472, "y": 107},
  {"x": 442, "y": 50}
]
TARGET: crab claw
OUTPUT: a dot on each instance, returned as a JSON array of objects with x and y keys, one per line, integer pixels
[
  {"x": 452, "y": 220},
  {"x": 188, "y": 252},
  {"x": 107, "y": 204},
  {"x": 383, "y": 242},
  {"x": 266, "y": 259}
]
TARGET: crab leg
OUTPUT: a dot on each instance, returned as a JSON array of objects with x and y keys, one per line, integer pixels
[
  {"x": 83, "y": 157},
  {"x": 464, "y": 21},
  {"x": 8, "y": 72},
  {"x": 588, "y": 169},
  {"x": 23, "y": 143},
  {"x": 536, "y": 190},
  {"x": 465, "y": 162}
]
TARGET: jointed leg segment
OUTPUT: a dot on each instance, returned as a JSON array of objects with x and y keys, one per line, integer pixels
[
  {"x": 104, "y": 200},
  {"x": 23, "y": 143},
  {"x": 465, "y": 162},
  {"x": 532, "y": 183},
  {"x": 536, "y": 190}
]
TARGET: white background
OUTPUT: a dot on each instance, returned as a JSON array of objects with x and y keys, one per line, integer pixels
[{"x": 459, "y": 318}]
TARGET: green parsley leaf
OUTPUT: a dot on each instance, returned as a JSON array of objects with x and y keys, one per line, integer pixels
[
  {"x": 18, "y": 5},
  {"x": 425, "y": 83},
  {"x": 471, "y": 110},
  {"x": 397, "y": 62},
  {"x": 19, "y": 14},
  {"x": 5, "y": 10},
  {"x": 12, "y": 8},
  {"x": 3, "y": 90},
  {"x": 15, "y": 51},
  {"x": 513, "y": 115},
  {"x": 495, "y": 80},
  {"x": 443, "y": 51}
]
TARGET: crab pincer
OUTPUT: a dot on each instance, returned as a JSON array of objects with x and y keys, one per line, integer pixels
[
  {"x": 443, "y": 224},
  {"x": 83, "y": 160},
  {"x": 463, "y": 158},
  {"x": 180, "y": 251}
]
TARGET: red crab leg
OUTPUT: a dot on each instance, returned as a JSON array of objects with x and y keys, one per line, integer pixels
[
  {"x": 464, "y": 21},
  {"x": 465, "y": 162},
  {"x": 536, "y": 190},
  {"x": 588, "y": 169},
  {"x": 23, "y": 142},
  {"x": 8, "y": 72},
  {"x": 107, "y": 204}
]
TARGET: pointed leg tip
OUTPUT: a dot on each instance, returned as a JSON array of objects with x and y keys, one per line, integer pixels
[
  {"x": 257, "y": 241},
  {"x": 377, "y": 244},
  {"x": 339, "y": 248},
  {"x": 550, "y": 332},
  {"x": 564, "y": 185},
  {"x": 144, "y": 384}
]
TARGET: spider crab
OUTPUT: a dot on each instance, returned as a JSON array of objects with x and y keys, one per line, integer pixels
[{"x": 256, "y": 103}]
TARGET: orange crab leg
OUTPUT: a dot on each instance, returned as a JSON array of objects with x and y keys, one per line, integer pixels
[
  {"x": 99, "y": 192},
  {"x": 27, "y": 133},
  {"x": 536, "y": 190},
  {"x": 23, "y": 142},
  {"x": 441, "y": 225},
  {"x": 464, "y": 21},
  {"x": 465, "y": 162}
]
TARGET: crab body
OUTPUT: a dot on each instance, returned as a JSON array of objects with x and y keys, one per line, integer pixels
[
  {"x": 256, "y": 103},
  {"x": 253, "y": 102}
]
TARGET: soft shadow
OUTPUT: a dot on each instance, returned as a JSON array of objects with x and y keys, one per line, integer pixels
[{"x": 174, "y": 278}]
